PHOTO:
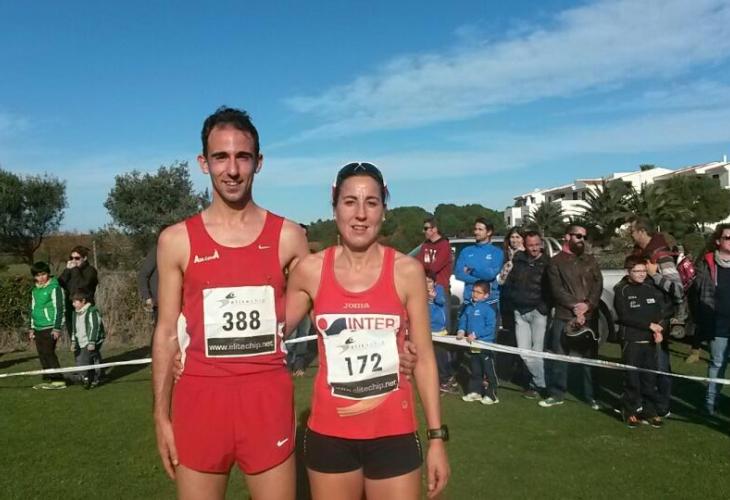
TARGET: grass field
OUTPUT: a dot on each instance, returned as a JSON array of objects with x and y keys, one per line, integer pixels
[{"x": 100, "y": 443}]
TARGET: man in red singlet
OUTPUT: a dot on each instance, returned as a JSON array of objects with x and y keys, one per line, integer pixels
[{"x": 221, "y": 291}]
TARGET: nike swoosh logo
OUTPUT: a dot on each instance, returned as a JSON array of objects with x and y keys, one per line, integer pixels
[
  {"x": 263, "y": 247},
  {"x": 281, "y": 442}
]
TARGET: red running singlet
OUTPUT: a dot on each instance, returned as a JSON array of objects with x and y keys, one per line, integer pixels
[
  {"x": 358, "y": 392},
  {"x": 233, "y": 303}
]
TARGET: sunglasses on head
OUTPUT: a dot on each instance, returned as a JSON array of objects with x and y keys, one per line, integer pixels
[
  {"x": 359, "y": 167},
  {"x": 578, "y": 236}
]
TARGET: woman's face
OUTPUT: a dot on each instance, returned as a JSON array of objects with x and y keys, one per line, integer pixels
[
  {"x": 515, "y": 241},
  {"x": 359, "y": 211}
]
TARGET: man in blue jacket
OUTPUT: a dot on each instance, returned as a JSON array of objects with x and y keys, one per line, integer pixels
[{"x": 481, "y": 261}]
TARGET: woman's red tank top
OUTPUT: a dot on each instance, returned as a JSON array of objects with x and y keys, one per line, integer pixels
[
  {"x": 358, "y": 392},
  {"x": 233, "y": 303}
]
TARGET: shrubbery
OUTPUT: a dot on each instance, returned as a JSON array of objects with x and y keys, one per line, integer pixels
[{"x": 125, "y": 319}]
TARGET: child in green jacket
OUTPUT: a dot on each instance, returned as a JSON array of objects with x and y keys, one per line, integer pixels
[
  {"x": 87, "y": 337},
  {"x": 46, "y": 321}
]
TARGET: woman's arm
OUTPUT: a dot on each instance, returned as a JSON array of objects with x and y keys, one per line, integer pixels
[{"x": 411, "y": 285}]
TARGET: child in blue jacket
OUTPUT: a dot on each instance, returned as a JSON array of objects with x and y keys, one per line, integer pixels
[
  {"x": 437, "y": 311},
  {"x": 477, "y": 321}
]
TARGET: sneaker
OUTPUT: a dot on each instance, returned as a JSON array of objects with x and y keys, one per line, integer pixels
[
  {"x": 694, "y": 356},
  {"x": 656, "y": 422},
  {"x": 448, "y": 389},
  {"x": 665, "y": 415},
  {"x": 551, "y": 401},
  {"x": 471, "y": 397},
  {"x": 42, "y": 385},
  {"x": 58, "y": 384},
  {"x": 632, "y": 421},
  {"x": 95, "y": 383},
  {"x": 486, "y": 400},
  {"x": 594, "y": 405},
  {"x": 530, "y": 394}
]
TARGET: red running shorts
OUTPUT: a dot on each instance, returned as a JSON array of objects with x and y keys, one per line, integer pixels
[{"x": 247, "y": 419}]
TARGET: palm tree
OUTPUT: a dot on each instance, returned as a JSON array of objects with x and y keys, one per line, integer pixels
[
  {"x": 548, "y": 218},
  {"x": 606, "y": 210},
  {"x": 663, "y": 207}
]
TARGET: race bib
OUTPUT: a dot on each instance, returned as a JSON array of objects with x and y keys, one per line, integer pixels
[
  {"x": 239, "y": 321},
  {"x": 362, "y": 364}
]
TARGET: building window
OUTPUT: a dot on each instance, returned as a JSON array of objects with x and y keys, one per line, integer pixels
[
  {"x": 508, "y": 220},
  {"x": 575, "y": 195}
]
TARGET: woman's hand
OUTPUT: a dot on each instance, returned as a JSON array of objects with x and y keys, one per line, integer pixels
[{"x": 437, "y": 467}]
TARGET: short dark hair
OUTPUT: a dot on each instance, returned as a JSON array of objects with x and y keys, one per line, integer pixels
[
  {"x": 482, "y": 220},
  {"x": 80, "y": 294},
  {"x": 643, "y": 224},
  {"x": 81, "y": 250},
  {"x": 633, "y": 260},
  {"x": 483, "y": 284},
  {"x": 232, "y": 117},
  {"x": 39, "y": 267},
  {"x": 717, "y": 234},
  {"x": 363, "y": 168},
  {"x": 572, "y": 227},
  {"x": 432, "y": 221},
  {"x": 531, "y": 234}
]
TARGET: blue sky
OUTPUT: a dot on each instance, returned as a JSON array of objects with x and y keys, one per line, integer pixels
[{"x": 458, "y": 102}]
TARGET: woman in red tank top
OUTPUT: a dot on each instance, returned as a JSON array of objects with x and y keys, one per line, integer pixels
[{"x": 366, "y": 298}]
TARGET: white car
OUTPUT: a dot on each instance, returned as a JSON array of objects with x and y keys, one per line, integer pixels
[{"x": 607, "y": 314}]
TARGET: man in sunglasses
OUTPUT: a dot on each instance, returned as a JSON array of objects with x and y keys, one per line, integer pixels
[
  {"x": 652, "y": 246},
  {"x": 575, "y": 282},
  {"x": 435, "y": 255}
]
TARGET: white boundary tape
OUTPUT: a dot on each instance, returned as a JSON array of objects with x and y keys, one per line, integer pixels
[{"x": 450, "y": 339}]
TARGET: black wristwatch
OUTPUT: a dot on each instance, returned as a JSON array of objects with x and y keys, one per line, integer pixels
[{"x": 441, "y": 433}]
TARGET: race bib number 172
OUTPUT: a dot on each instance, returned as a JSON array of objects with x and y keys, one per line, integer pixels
[{"x": 239, "y": 321}]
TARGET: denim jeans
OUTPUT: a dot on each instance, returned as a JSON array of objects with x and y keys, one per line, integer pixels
[
  {"x": 719, "y": 354},
  {"x": 557, "y": 371},
  {"x": 85, "y": 357},
  {"x": 530, "y": 330}
]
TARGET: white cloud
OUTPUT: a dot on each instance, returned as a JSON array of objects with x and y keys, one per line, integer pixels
[{"x": 598, "y": 46}]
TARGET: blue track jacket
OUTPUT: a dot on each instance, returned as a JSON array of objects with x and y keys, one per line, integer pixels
[
  {"x": 437, "y": 310},
  {"x": 478, "y": 318},
  {"x": 484, "y": 261}
]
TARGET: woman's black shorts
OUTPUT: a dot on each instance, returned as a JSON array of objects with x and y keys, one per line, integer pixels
[{"x": 379, "y": 458}]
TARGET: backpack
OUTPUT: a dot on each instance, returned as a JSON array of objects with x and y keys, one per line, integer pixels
[{"x": 685, "y": 266}]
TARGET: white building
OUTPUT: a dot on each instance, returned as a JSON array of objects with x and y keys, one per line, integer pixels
[{"x": 571, "y": 196}]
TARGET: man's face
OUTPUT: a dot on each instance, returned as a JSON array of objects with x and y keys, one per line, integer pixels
[
  {"x": 231, "y": 163},
  {"x": 576, "y": 240},
  {"x": 637, "y": 274},
  {"x": 723, "y": 244},
  {"x": 41, "y": 278},
  {"x": 639, "y": 236},
  {"x": 481, "y": 233},
  {"x": 533, "y": 246}
]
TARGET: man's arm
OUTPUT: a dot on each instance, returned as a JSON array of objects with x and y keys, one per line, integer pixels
[
  {"x": 559, "y": 294},
  {"x": 172, "y": 255},
  {"x": 491, "y": 269},
  {"x": 667, "y": 278},
  {"x": 594, "y": 296},
  {"x": 459, "y": 271},
  {"x": 143, "y": 276}
]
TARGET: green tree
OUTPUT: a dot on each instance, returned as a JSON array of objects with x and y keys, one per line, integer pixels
[
  {"x": 548, "y": 218},
  {"x": 323, "y": 232},
  {"x": 31, "y": 208},
  {"x": 703, "y": 196},
  {"x": 403, "y": 227},
  {"x": 143, "y": 203},
  {"x": 606, "y": 210},
  {"x": 662, "y": 206},
  {"x": 455, "y": 220}
]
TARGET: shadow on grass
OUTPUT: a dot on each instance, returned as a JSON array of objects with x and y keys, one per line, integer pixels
[
  {"x": 688, "y": 396},
  {"x": 117, "y": 372},
  {"x": 10, "y": 362}
]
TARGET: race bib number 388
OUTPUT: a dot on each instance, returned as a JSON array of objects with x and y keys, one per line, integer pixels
[
  {"x": 239, "y": 321},
  {"x": 362, "y": 363}
]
